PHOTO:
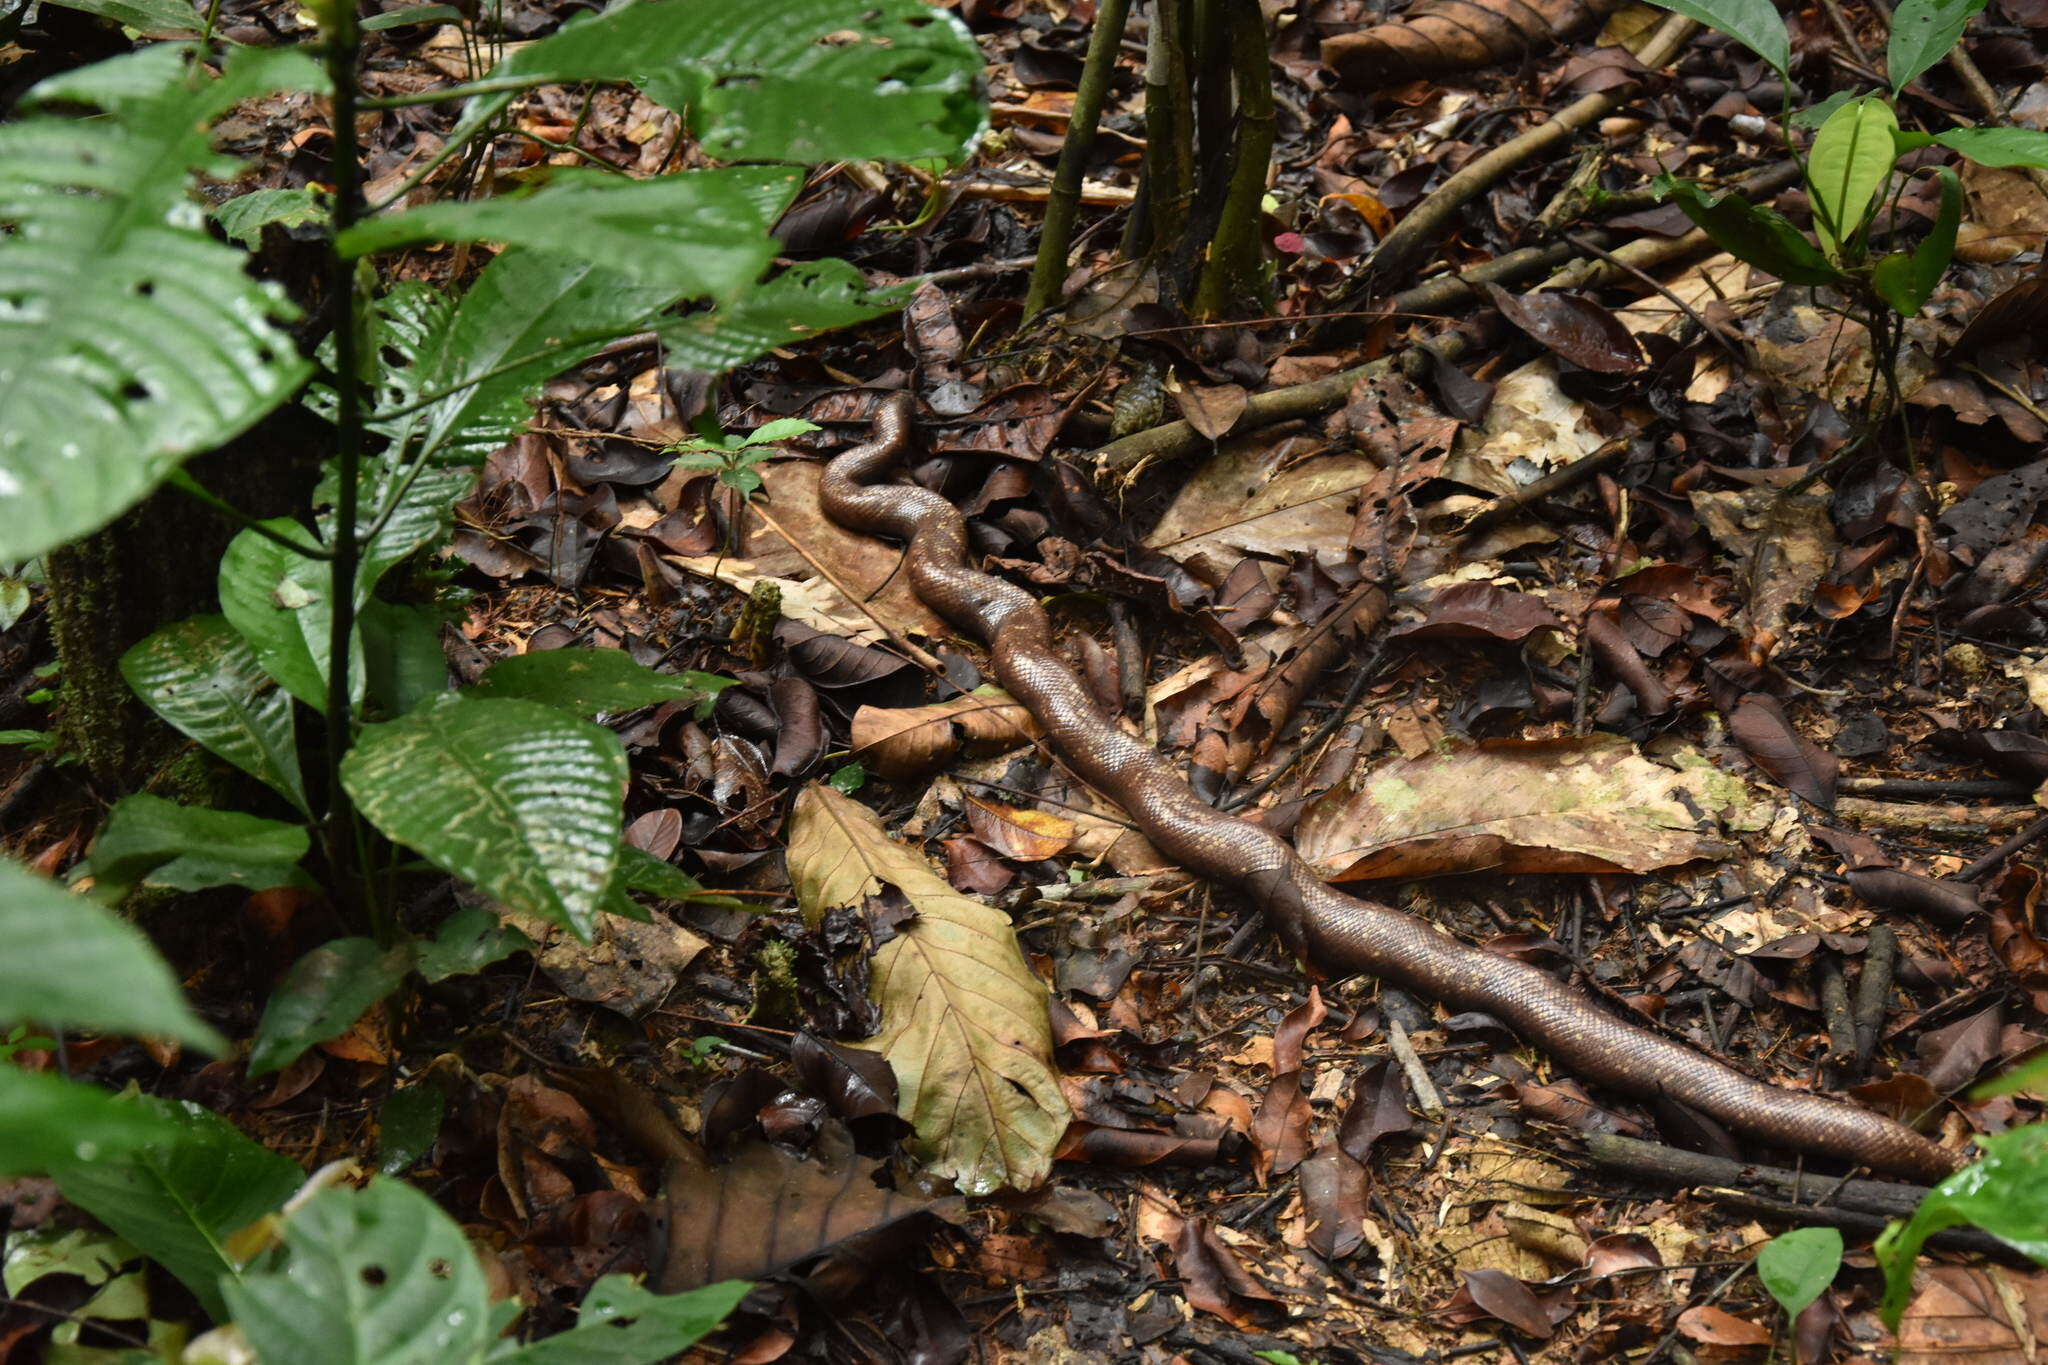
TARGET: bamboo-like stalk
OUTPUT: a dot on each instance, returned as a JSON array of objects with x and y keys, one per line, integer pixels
[
  {"x": 1169, "y": 131},
  {"x": 1232, "y": 271},
  {"x": 1057, "y": 236}
]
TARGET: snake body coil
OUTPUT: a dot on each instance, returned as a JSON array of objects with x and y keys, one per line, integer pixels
[{"x": 1341, "y": 932}]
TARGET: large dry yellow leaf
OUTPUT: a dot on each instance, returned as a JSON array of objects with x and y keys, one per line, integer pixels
[
  {"x": 1553, "y": 805},
  {"x": 964, "y": 1022}
]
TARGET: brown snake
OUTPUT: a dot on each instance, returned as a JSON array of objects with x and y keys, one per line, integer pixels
[{"x": 1341, "y": 933}]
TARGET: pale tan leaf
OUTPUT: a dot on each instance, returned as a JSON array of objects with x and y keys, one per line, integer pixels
[
  {"x": 964, "y": 1023},
  {"x": 1263, "y": 496},
  {"x": 1563, "y": 805},
  {"x": 1027, "y": 835},
  {"x": 909, "y": 741}
]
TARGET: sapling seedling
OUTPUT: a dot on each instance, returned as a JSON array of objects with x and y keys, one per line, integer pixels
[{"x": 735, "y": 457}]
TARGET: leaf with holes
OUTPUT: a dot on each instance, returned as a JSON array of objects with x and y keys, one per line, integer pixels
[
  {"x": 454, "y": 378},
  {"x": 779, "y": 80},
  {"x": 376, "y": 1276},
  {"x": 517, "y": 798},
  {"x": 72, "y": 963},
  {"x": 964, "y": 1023},
  {"x": 180, "y": 1199},
  {"x": 621, "y": 1323},
  {"x": 130, "y": 340},
  {"x": 202, "y": 678}
]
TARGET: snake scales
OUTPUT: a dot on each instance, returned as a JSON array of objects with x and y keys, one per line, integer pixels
[{"x": 1340, "y": 932}]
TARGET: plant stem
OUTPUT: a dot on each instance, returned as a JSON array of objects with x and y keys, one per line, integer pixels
[
  {"x": 343, "y": 38},
  {"x": 183, "y": 481},
  {"x": 1169, "y": 132},
  {"x": 1065, "y": 200},
  {"x": 1232, "y": 271}
]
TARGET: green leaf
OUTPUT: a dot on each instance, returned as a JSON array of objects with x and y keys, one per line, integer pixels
[
  {"x": 189, "y": 848},
  {"x": 2031, "y": 1074},
  {"x": 408, "y": 1123},
  {"x": 1923, "y": 31},
  {"x": 376, "y": 1276},
  {"x": 1753, "y": 23},
  {"x": 2005, "y": 1193},
  {"x": 1754, "y": 233},
  {"x": 73, "y": 963},
  {"x": 415, "y": 14},
  {"x": 779, "y": 80},
  {"x": 130, "y": 339},
  {"x": 1907, "y": 281},
  {"x": 160, "y": 18},
  {"x": 202, "y": 678},
  {"x": 781, "y": 429},
  {"x": 47, "y": 1122},
  {"x": 590, "y": 682},
  {"x": 421, "y": 504},
  {"x": 15, "y": 600},
  {"x": 641, "y": 871},
  {"x": 848, "y": 778},
  {"x": 244, "y": 217},
  {"x": 517, "y": 798},
  {"x": 464, "y": 371},
  {"x": 1847, "y": 167},
  {"x": 1798, "y": 1266},
  {"x": 469, "y": 940},
  {"x": 800, "y": 303},
  {"x": 322, "y": 996},
  {"x": 280, "y": 603},
  {"x": 180, "y": 1199},
  {"x": 403, "y": 662},
  {"x": 1813, "y": 116},
  {"x": 622, "y": 1323},
  {"x": 34, "y": 1254},
  {"x": 701, "y": 233},
  {"x": 1998, "y": 146}
]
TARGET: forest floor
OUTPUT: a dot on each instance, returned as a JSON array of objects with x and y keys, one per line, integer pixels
[{"x": 1770, "y": 694}]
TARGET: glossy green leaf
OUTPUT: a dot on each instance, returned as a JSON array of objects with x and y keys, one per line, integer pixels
[
  {"x": 180, "y": 1199},
  {"x": 1998, "y": 146},
  {"x": 2005, "y": 1193},
  {"x": 1906, "y": 280},
  {"x": 1798, "y": 1266},
  {"x": 779, "y": 80},
  {"x": 468, "y": 941},
  {"x": 324, "y": 994},
  {"x": 519, "y": 799},
  {"x": 1847, "y": 168},
  {"x": 280, "y": 603},
  {"x": 244, "y": 217},
  {"x": 34, "y": 1254},
  {"x": 408, "y": 1125},
  {"x": 130, "y": 339},
  {"x": 590, "y": 682},
  {"x": 72, "y": 963},
  {"x": 161, "y": 18},
  {"x": 1750, "y": 232},
  {"x": 202, "y": 678},
  {"x": 796, "y": 305},
  {"x": 1753, "y": 23},
  {"x": 189, "y": 848},
  {"x": 376, "y": 1276},
  {"x": 701, "y": 233},
  {"x": 47, "y": 1122},
  {"x": 622, "y": 1323},
  {"x": 1813, "y": 116},
  {"x": 1923, "y": 31},
  {"x": 400, "y": 511},
  {"x": 464, "y": 371}
]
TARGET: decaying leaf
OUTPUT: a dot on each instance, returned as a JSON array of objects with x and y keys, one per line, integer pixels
[
  {"x": 964, "y": 1021},
  {"x": 908, "y": 741},
  {"x": 1559, "y": 805}
]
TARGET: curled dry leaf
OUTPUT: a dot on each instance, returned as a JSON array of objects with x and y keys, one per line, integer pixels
[
  {"x": 1562, "y": 805},
  {"x": 1579, "y": 330},
  {"x": 899, "y": 742},
  {"x": 1027, "y": 835},
  {"x": 964, "y": 1022}
]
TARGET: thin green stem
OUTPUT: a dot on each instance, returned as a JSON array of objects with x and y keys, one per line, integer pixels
[
  {"x": 192, "y": 488},
  {"x": 494, "y": 85},
  {"x": 1063, "y": 204},
  {"x": 343, "y": 38}
]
